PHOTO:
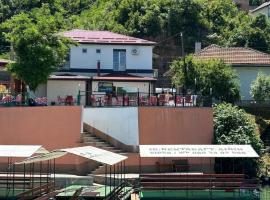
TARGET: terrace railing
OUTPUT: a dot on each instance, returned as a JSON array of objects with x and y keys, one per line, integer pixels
[{"x": 98, "y": 99}]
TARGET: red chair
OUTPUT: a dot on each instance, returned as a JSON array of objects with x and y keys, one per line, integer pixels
[
  {"x": 126, "y": 100},
  {"x": 108, "y": 100},
  {"x": 179, "y": 100},
  {"x": 119, "y": 100},
  {"x": 188, "y": 100},
  {"x": 153, "y": 101},
  {"x": 69, "y": 100},
  {"x": 161, "y": 99},
  {"x": 143, "y": 101}
]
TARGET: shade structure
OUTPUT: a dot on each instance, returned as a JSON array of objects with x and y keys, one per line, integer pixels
[
  {"x": 89, "y": 152},
  {"x": 96, "y": 154},
  {"x": 198, "y": 151},
  {"x": 18, "y": 151},
  {"x": 43, "y": 157}
]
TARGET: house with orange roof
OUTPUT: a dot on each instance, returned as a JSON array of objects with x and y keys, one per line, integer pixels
[{"x": 246, "y": 61}]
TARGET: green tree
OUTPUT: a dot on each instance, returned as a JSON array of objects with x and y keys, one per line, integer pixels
[
  {"x": 185, "y": 16},
  {"x": 39, "y": 50},
  {"x": 260, "y": 88},
  {"x": 234, "y": 126},
  {"x": 211, "y": 75}
]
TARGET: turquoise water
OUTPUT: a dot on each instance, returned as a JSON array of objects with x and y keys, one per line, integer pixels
[{"x": 205, "y": 195}]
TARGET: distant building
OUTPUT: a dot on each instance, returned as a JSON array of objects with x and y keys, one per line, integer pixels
[
  {"x": 102, "y": 62},
  {"x": 262, "y": 9},
  {"x": 6, "y": 81},
  {"x": 246, "y": 61}
]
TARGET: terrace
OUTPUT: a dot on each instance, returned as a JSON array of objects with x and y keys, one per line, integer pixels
[{"x": 101, "y": 99}]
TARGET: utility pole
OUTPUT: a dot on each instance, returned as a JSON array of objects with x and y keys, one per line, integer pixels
[{"x": 184, "y": 89}]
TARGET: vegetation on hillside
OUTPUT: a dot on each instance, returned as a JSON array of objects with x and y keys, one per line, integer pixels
[{"x": 208, "y": 21}]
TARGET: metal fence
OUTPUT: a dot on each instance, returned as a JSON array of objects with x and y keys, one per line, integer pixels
[
  {"x": 101, "y": 99},
  {"x": 98, "y": 99}
]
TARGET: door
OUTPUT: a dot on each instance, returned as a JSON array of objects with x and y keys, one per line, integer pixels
[{"x": 119, "y": 60}]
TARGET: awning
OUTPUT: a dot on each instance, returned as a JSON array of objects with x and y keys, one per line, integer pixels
[
  {"x": 18, "y": 150},
  {"x": 89, "y": 152},
  {"x": 99, "y": 155},
  {"x": 198, "y": 151},
  {"x": 43, "y": 157}
]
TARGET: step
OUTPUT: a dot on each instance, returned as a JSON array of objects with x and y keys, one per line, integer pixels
[
  {"x": 97, "y": 144},
  {"x": 91, "y": 138}
]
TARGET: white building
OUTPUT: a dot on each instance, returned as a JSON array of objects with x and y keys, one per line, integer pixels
[
  {"x": 262, "y": 9},
  {"x": 246, "y": 61},
  {"x": 102, "y": 61}
]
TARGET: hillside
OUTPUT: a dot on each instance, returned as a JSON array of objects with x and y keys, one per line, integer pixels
[{"x": 205, "y": 21}]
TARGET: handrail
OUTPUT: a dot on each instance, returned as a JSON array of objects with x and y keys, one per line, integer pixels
[
  {"x": 116, "y": 191},
  {"x": 40, "y": 189}
]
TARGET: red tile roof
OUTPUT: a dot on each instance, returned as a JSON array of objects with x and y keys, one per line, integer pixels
[
  {"x": 102, "y": 37},
  {"x": 235, "y": 55}
]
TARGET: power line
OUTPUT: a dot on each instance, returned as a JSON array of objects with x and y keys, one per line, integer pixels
[{"x": 169, "y": 38}]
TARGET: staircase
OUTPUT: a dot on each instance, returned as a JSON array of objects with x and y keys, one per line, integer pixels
[{"x": 90, "y": 139}]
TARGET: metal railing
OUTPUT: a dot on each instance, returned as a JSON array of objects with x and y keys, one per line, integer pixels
[{"x": 99, "y": 99}]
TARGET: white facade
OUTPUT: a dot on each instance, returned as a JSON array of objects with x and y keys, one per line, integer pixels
[
  {"x": 107, "y": 120},
  {"x": 87, "y": 59},
  {"x": 62, "y": 88},
  {"x": 246, "y": 76}
]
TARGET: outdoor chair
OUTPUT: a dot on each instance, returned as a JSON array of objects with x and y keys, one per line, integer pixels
[
  {"x": 188, "y": 101},
  {"x": 108, "y": 100},
  {"x": 119, "y": 100},
  {"x": 93, "y": 100},
  {"x": 60, "y": 100},
  {"x": 69, "y": 100},
  {"x": 126, "y": 100},
  {"x": 133, "y": 101},
  {"x": 179, "y": 100},
  {"x": 153, "y": 101},
  {"x": 18, "y": 99},
  {"x": 143, "y": 101},
  {"x": 162, "y": 100}
]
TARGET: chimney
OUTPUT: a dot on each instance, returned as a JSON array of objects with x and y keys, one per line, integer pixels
[
  {"x": 98, "y": 68},
  {"x": 198, "y": 47}
]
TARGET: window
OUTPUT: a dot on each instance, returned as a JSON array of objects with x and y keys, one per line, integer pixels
[
  {"x": 98, "y": 51},
  {"x": 119, "y": 59},
  {"x": 84, "y": 50}
]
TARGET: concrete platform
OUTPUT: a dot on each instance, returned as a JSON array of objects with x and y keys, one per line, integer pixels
[
  {"x": 100, "y": 178},
  {"x": 61, "y": 180},
  {"x": 64, "y": 180}
]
